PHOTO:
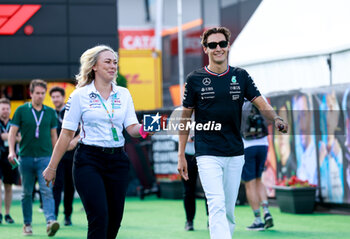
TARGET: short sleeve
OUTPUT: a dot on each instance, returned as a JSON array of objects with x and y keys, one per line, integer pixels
[
  {"x": 251, "y": 90},
  {"x": 130, "y": 115},
  {"x": 16, "y": 120},
  {"x": 189, "y": 94},
  {"x": 72, "y": 115},
  {"x": 53, "y": 119}
]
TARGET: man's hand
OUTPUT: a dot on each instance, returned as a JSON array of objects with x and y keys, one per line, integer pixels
[
  {"x": 281, "y": 125},
  {"x": 182, "y": 167},
  {"x": 11, "y": 157}
]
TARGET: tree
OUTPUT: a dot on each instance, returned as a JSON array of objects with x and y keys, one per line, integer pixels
[{"x": 121, "y": 80}]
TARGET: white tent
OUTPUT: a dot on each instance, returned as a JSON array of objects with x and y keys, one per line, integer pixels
[{"x": 292, "y": 44}]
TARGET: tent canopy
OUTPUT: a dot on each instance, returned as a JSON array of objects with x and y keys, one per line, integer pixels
[
  {"x": 295, "y": 44},
  {"x": 285, "y": 29}
]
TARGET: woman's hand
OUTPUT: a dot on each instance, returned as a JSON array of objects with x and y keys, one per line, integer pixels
[{"x": 49, "y": 175}]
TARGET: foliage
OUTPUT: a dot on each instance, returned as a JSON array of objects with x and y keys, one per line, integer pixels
[
  {"x": 121, "y": 80},
  {"x": 168, "y": 177},
  {"x": 295, "y": 182}
]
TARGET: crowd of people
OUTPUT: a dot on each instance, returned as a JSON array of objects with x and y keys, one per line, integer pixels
[{"x": 94, "y": 163}]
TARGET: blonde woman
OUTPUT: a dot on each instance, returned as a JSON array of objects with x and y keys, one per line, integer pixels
[{"x": 101, "y": 167}]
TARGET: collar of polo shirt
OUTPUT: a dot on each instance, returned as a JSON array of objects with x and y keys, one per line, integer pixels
[
  {"x": 92, "y": 88},
  {"x": 30, "y": 105}
]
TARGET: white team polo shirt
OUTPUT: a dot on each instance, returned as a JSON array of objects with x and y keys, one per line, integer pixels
[{"x": 85, "y": 107}]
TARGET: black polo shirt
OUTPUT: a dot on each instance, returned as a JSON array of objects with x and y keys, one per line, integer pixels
[
  {"x": 219, "y": 98},
  {"x": 4, "y": 128},
  {"x": 60, "y": 117}
]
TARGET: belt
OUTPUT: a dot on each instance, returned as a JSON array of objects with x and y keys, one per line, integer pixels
[{"x": 102, "y": 149}]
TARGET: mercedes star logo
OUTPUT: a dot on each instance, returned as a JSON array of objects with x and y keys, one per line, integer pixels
[{"x": 206, "y": 81}]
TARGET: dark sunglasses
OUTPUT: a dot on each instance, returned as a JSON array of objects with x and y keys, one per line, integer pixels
[{"x": 213, "y": 45}]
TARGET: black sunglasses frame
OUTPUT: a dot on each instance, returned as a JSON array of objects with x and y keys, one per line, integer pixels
[{"x": 213, "y": 45}]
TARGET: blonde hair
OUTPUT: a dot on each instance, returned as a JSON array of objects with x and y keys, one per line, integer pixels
[{"x": 87, "y": 60}]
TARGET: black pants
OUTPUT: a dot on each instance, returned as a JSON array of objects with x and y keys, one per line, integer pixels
[
  {"x": 190, "y": 188},
  {"x": 7, "y": 174},
  {"x": 101, "y": 180},
  {"x": 64, "y": 182}
]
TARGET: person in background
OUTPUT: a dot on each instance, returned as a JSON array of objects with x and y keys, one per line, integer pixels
[
  {"x": 254, "y": 135},
  {"x": 346, "y": 110},
  {"x": 330, "y": 149},
  {"x": 8, "y": 175},
  {"x": 305, "y": 146},
  {"x": 37, "y": 124},
  {"x": 64, "y": 177},
  {"x": 216, "y": 94},
  {"x": 286, "y": 162},
  {"x": 101, "y": 166},
  {"x": 190, "y": 185}
]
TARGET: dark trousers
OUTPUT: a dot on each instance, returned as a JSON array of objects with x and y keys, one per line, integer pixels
[
  {"x": 190, "y": 188},
  {"x": 101, "y": 180},
  {"x": 64, "y": 182}
]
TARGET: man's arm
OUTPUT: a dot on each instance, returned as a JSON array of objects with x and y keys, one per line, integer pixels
[
  {"x": 267, "y": 111},
  {"x": 183, "y": 136},
  {"x": 4, "y": 136},
  {"x": 73, "y": 143},
  {"x": 11, "y": 140},
  {"x": 60, "y": 148},
  {"x": 53, "y": 137}
]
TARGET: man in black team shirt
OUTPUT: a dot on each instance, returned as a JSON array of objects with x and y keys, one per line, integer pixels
[
  {"x": 216, "y": 94},
  {"x": 64, "y": 177}
]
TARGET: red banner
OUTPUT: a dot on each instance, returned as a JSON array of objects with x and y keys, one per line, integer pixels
[{"x": 136, "y": 39}]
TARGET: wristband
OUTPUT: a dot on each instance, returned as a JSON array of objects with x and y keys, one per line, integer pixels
[{"x": 143, "y": 133}]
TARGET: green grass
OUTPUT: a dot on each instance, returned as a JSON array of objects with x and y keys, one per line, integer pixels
[{"x": 164, "y": 219}]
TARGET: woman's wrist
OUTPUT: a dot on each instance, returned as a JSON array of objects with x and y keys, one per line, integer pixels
[
  {"x": 143, "y": 133},
  {"x": 52, "y": 169}
]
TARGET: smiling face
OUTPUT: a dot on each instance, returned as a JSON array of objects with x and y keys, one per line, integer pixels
[
  {"x": 5, "y": 111},
  {"x": 106, "y": 66},
  {"x": 57, "y": 99},
  {"x": 218, "y": 55}
]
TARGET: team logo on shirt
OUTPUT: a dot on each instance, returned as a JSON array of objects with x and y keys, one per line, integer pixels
[
  {"x": 116, "y": 103},
  {"x": 92, "y": 95},
  {"x": 206, "y": 81},
  {"x": 237, "y": 87},
  {"x": 95, "y": 104},
  {"x": 233, "y": 79},
  {"x": 235, "y": 97}
]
